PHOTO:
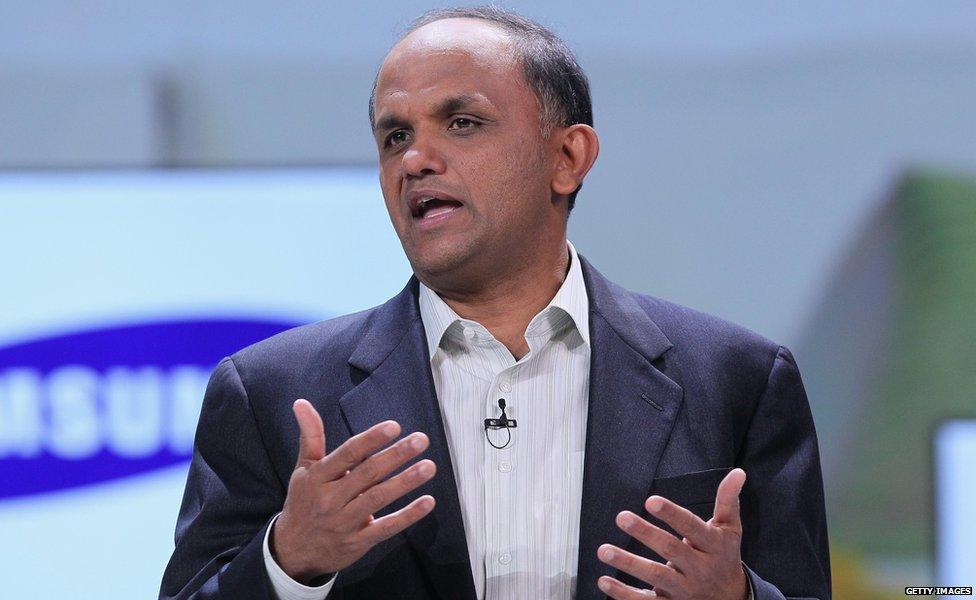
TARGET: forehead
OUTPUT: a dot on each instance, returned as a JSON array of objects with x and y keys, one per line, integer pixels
[{"x": 449, "y": 56}]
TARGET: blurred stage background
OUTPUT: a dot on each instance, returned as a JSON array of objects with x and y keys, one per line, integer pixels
[{"x": 177, "y": 179}]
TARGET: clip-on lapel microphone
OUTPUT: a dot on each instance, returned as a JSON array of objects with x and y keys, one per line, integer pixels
[{"x": 502, "y": 422}]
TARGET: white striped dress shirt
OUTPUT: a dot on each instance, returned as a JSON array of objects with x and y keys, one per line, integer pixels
[{"x": 520, "y": 505}]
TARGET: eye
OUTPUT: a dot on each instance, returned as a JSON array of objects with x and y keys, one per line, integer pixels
[
  {"x": 396, "y": 138},
  {"x": 462, "y": 123}
]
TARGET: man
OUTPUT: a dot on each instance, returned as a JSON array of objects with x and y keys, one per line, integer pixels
[{"x": 618, "y": 418}]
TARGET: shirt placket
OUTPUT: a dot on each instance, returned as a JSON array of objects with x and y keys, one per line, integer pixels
[{"x": 501, "y": 494}]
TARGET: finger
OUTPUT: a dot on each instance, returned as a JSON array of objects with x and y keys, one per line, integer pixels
[
  {"x": 390, "y": 525},
  {"x": 727, "y": 499},
  {"x": 648, "y": 571},
  {"x": 380, "y": 495},
  {"x": 355, "y": 450},
  {"x": 666, "y": 545},
  {"x": 621, "y": 591},
  {"x": 311, "y": 433},
  {"x": 375, "y": 468},
  {"x": 682, "y": 520}
]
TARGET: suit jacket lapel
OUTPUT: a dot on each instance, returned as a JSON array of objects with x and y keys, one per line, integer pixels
[
  {"x": 400, "y": 386},
  {"x": 632, "y": 407}
]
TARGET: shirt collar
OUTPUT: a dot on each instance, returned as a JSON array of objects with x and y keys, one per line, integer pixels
[{"x": 570, "y": 300}]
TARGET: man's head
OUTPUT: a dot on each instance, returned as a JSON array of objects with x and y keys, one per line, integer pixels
[{"x": 488, "y": 114}]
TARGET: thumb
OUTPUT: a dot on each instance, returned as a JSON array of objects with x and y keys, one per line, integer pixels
[
  {"x": 727, "y": 499},
  {"x": 311, "y": 437}
]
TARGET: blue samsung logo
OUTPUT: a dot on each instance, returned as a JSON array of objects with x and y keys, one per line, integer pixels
[{"x": 92, "y": 406}]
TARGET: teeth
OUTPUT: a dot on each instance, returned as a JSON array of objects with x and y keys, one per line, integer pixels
[{"x": 422, "y": 205}]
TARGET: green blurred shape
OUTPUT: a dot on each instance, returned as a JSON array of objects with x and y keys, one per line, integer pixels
[{"x": 892, "y": 352}]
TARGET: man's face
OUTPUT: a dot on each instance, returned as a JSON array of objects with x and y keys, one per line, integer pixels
[{"x": 463, "y": 166}]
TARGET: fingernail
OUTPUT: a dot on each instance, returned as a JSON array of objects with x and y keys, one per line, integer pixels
[
  {"x": 390, "y": 429},
  {"x": 604, "y": 585},
  {"x": 425, "y": 469},
  {"x": 654, "y": 505},
  {"x": 606, "y": 553},
  {"x": 625, "y": 520},
  {"x": 417, "y": 441}
]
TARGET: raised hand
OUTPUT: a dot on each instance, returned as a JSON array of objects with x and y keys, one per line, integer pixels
[
  {"x": 705, "y": 564},
  {"x": 327, "y": 522}
]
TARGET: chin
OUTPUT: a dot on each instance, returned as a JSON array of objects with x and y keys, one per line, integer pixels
[
  {"x": 442, "y": 264},
  {"x": 436, "y": 266}
]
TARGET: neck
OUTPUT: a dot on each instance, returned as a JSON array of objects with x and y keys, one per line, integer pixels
[{"x": 505, "y": 305}]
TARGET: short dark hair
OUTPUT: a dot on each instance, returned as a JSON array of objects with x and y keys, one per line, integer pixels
[{"x": 548, "y": 66}]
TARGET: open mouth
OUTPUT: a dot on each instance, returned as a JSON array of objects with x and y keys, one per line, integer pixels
[{"x": 429, "y": 207}]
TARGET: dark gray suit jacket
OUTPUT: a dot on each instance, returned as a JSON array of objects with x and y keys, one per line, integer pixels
[{"x": 677, "y": 398}]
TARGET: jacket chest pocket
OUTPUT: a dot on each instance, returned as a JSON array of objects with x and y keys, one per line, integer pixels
[{"x": 694, "y": 491}]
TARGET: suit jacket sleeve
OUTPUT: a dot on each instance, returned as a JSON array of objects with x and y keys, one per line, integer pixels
[
  {"x": 232, "y": 492},
  {"x": 784, "y": 543}
]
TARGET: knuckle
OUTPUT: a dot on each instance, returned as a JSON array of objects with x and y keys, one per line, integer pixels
[
  {"x": 646, "y": 530},
  {"x": 679, "y": 520},
  {"x": 636, "y": 594},
  {"x": 387, "y": 529},
  {"x": 298, "y": 478},
  {"x": 313, "y": 470},
  {"x": 343, "y": 454},
  {"x": 358, "y": 440},
  {"x": 672, "y": 545},
  {"x": 404, "y": 450},
  {"x": 409, "y": 480},
  {"x": 376, "y": 497},
  {"x": 649, "y": 534},
  {"x": 369, "y": 470}
]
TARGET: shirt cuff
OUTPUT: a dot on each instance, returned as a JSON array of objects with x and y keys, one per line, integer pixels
[{"x": 286, "y": 588}]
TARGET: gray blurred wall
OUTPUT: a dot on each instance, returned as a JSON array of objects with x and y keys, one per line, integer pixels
[{"x": 744, "y": 145}]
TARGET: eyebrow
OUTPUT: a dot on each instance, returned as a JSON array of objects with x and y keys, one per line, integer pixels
[
  {"x": 445, "y": 107},
  {"x": 456, "y": 103}
]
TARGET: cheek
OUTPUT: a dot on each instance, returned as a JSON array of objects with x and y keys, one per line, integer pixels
[
  {"x": 502, "y": 180},
  {"x": 525, "y": 176},
  {"x": 391, "y": 194},
  {"x": 509, "y": 169}
]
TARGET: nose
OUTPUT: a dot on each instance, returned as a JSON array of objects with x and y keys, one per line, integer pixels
[{"x": 422, "y": 158}]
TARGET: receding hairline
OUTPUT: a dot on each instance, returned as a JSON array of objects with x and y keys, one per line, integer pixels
[
  {"x": 506, "y": 33},
  {"x": 511, "y": 37}
]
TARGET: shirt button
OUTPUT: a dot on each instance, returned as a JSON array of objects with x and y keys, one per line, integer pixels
[
  {"x": 505, "y": 467},
  {"x": 469, "y": 333},
  {"x": 504, "y": 386},
  {"x": 505, "y": 558}
]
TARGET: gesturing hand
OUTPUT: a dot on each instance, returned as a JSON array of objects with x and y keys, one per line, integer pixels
[
  {"x": 706, "y": 564},
  {"x": 327, "y": 522}
]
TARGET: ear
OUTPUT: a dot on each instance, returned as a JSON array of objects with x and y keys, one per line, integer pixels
[{"x": 577, "y": 151}]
